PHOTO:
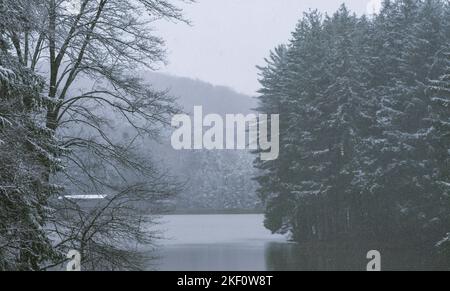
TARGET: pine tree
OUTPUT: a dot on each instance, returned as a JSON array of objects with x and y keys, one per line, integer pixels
[
  {"x": 272, "y": 97},
  {"x": 439, "y": 140},
  {"x": 27, "y": 150},
  {"x": 360, "y": 135},
  {"x": 409, "y": 34}
]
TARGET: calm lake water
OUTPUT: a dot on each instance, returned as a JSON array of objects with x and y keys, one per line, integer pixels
[
  {"x": 241, "y": 243},
  {"x": 215, "y": 243}
]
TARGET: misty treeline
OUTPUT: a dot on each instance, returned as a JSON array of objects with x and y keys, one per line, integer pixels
[
  {"x": 365, "y": 127},
  {"x": 54, "y": 135},
  {"x": 214, "y": 180},
  {"x": 217, "y": 180}
]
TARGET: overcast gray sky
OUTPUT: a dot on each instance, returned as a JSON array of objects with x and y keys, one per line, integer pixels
[{"x": 228, "y": 38}]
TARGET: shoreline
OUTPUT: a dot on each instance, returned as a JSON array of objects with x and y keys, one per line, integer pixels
[{"x": 214, "y": 212}]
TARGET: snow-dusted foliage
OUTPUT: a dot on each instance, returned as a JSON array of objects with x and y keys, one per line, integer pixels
[
  {"x": 218, "y": 180},
  {"x": 444, "y": 241},
  {"x": 439, "y": 140},
  {"x": 27, "y": 155},
  {"x": 104, "y": 42},
  {"x": 364, "y": 130}
]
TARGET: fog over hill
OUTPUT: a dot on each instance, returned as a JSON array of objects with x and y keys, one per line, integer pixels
[
  {"x": 212, "y": 180},
  {"x": 214, "y": 99},
  {"x": 215, "y": 180}
]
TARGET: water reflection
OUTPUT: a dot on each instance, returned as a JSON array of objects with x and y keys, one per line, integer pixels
[
  {"x": 241, "y": 243},
  {"x": 214, "y": 257},
  {"x": 294, "y": 257},
  {"x": 279, "y": 256}
]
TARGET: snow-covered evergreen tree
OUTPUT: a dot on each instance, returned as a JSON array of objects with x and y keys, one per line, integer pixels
[
  {"x": 27, "y": 151},
  {"x": 364, "y": 150},
  {"x": 439, "y": 138},
  {"x": 409, "y": 33}
]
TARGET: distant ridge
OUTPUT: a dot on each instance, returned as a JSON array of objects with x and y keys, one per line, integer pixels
[{"x": 194, "y": 92}]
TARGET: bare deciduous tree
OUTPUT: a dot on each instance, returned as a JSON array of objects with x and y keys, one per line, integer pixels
[{"x": 88, "y": 51}]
